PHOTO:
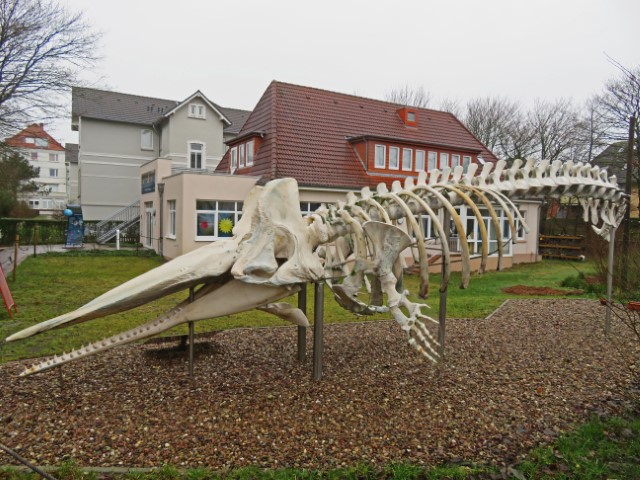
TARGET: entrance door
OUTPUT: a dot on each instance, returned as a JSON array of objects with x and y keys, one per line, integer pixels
[{"x": 148, "y": 234}]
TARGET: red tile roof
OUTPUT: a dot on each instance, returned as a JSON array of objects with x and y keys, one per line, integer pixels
[
  {"x": 306, "y": 134},
  {"x": 35, "y": 130}
]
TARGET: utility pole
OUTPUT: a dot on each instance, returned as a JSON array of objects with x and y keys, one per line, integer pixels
[{"x": 627, "y": 213}]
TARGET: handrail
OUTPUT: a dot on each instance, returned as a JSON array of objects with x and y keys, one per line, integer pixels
[{"x": 120, "y": 220}]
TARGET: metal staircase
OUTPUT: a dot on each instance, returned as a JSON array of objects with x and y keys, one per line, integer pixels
[{"x": 124, "y": 218}]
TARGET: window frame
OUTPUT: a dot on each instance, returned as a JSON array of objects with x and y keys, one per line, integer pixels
[
  {"x": 146, "y": 133},
  {"x": 424, "y": 158},
  {"x": 197, "y": 110},
  {"x": 404, "y": 165},
  {"x": 234, "y": 158},
  {"x": 54, "y": 157},
  {"x": 241, "y": 155},
  {"x": 444, "y": 160},
  {"x": 397, "y": 158},
  {"x": 191, "y": 151},
  {"x": 466, "y": 161},
  {"x": 250, "y": 152},
  {"x": 376, "y": 158},
  {"x": 171, "y": 219},
  {"x": 454, "y": 162},
  {"x": 215, "y": 212},
  {"x": 53, "y": 172},
  {"x": 41, "y": 142},
  {"x": 432, "y": 161}
]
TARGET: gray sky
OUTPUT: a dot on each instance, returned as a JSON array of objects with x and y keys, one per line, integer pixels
[{"x": 457, "y": 49}]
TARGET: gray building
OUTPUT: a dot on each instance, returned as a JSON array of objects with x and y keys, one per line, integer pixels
[{"x": 120, "y": 132}]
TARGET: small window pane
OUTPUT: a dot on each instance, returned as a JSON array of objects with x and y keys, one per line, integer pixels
[
  {"x": 394, "y": 154},
  {"x": 407, "y": 163},
  {"x": 420, "y": 160},
  {"x": 444, "y": 160},
  {"x": 380, "y": 156},
  {"x": 205, "y": 204},
  {"x": 433, "y": 159},
  {"x": 206, "y": 224}
]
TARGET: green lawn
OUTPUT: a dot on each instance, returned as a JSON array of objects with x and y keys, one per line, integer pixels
[
  {"x": 52, "y": 284},
  {"x": 49, "y": 285}
]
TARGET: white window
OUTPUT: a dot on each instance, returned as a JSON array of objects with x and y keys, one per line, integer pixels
[
  {"x": 519, "y": 226},
  {"x": 380, "y": 156},
  {"x": 197, "y": 110},
  {"x": 433, "y": 161},
  {"x": 455, "y": 161},
  {"x": 53, "y": 172},
  {"x": 234, "y": 158},
  {"x": 394, "y": 158},
  {"x": 241, "y": 155},
  {"x": 307, "y": 208},
  {"x": 420, "y": 160},
  {"x": 407, "y": 159},
  {"x": 146, "y": 139},
  {"x": 171, "y": 206},
  {"x": 53, "y": 157},
  {"x": 215, "y": 219},
  {"x": 411, "y": 117},
  {"x": 196, "y": 154},
  {"x": 30, "y": 140},
  {"x": 466, "y": 161},
  {"x": 42, "y": 142},
  {"x": 444, "y": 160},
  {"x": 34, "y": 155},
  {"x": 250, "y": 146}
]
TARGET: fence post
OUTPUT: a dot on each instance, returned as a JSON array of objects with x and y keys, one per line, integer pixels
[
  {"x": 35, "y": 239},
  {"x": 15, "y": 256},
  {"x": 118, "y": 239}
]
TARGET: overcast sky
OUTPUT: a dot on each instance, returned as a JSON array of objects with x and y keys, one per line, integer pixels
[{"x": 455, "y": 49}]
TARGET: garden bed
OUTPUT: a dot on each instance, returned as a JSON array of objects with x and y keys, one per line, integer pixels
[{"x": 516, "y": 380}]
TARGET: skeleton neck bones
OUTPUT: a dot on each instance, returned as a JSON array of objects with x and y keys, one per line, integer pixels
[{"x": 274, "y": 249}]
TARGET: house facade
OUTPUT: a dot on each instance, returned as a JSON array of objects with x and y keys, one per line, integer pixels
[
  {"x": 120, "y": 132},
  {"x": 48, "y": 156},
  {"x": 331, "y": 143}
]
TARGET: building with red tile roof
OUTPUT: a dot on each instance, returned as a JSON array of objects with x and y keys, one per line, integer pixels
[
  {"x": 330, "y": 143},
  {"x": 46, "y": 154},
  {"x": 328, "y": 139}
]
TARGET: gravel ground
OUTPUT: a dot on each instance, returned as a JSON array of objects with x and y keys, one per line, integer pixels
[{"x": 509, "y": 383}]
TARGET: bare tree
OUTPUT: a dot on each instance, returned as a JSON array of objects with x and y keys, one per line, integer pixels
[
  {"x": 488, "y": 118},
  {"x": 591, "y": 134},
  {"x": 409, "y": 96},
  {"x": 518, "y": 140},
  {"x": 43, "y": 48},
  {"x": 554, "y": 126},
  {"x": 452, "y": 106}
]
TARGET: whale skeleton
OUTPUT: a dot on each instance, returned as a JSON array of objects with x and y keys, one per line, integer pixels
[{"x": 353, "y": 245}]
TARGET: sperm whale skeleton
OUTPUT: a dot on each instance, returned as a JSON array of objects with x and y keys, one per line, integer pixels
[{"x": 354, "y": 246}]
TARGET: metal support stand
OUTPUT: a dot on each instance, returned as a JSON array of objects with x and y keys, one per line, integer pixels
[
  {"x": 442, "y": 312},
  {"x": 302, "y": 331},
  {"x": 607, "y": 318},
  {"x": 191, "y": 335},
  {"x": 318, "y": 326}
]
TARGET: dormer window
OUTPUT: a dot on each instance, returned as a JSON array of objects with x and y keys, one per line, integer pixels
[
  {"x": 197, "y": 110},
  {"x": 409, "y": 116}
]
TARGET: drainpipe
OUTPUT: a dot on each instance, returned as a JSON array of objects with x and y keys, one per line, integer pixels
[{"x": 161, "y": 239}]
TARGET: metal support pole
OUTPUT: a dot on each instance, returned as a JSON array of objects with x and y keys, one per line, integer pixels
[
  {"x": 117, "y": 239},
  {"x": 612, "y": 245},
  {"x": 318, "y": 326},
  {"x": 442, "y": 312},
  {"x": 191, "y": 335},
  {"x": 302, "y": 331},
  {"x": 35, "y": 239}
]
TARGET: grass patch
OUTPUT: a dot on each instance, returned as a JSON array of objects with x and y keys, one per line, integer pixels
[
  {"x": 598, "y": 449},
  {"x": 55, "y": 283}
]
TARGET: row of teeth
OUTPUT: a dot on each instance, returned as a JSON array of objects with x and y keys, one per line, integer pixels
[{"x": 137, "y": 333}]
